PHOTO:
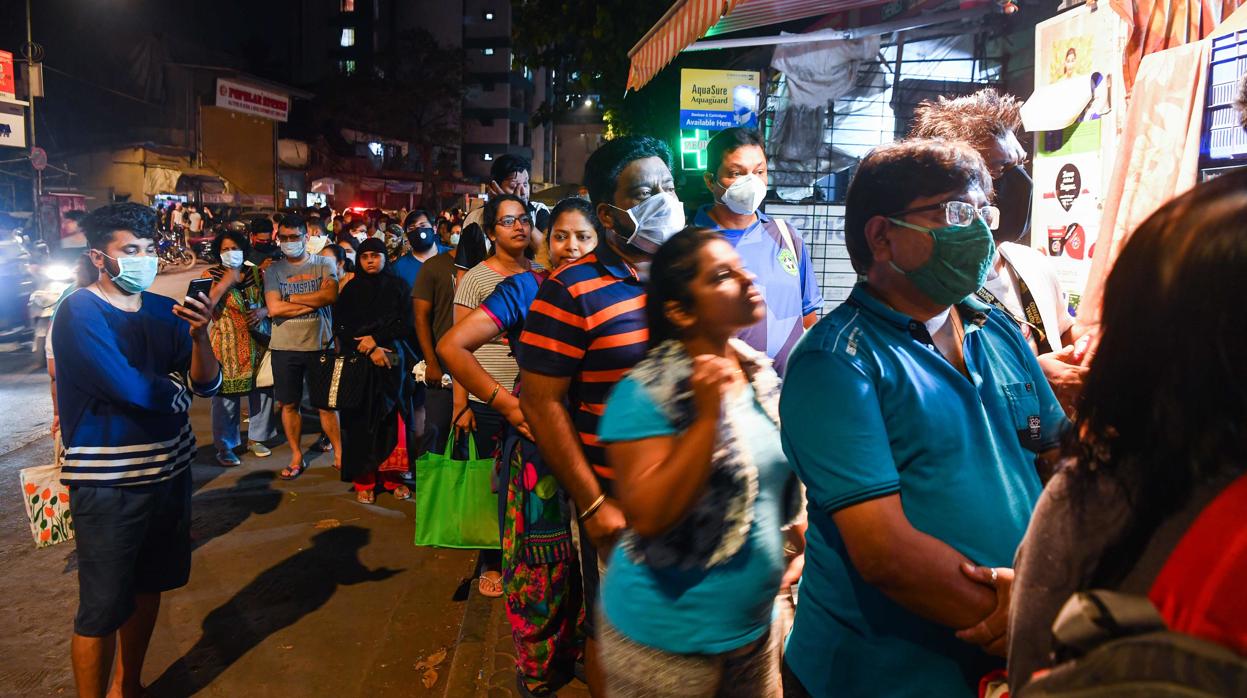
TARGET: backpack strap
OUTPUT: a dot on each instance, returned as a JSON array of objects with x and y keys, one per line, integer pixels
[{"x": 1199, "y": 591}]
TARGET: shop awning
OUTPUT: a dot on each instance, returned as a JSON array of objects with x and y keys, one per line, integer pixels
[{"x": 685, "y": 22}]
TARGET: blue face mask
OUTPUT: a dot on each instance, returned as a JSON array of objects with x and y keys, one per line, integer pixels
[
  {"x": 959, "y": 261},
  {"x": 135, "y": 274}
]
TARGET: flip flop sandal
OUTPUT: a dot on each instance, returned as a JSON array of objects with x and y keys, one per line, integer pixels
[
  {"x": 293, "y": 473},
  {"x": 489, "y": 588},
  {"x": 366, "y": 497},
  {"x": 402, "y": 492}
]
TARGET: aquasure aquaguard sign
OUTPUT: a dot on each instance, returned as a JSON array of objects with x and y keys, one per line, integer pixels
[{"x": 713, "y": 100}]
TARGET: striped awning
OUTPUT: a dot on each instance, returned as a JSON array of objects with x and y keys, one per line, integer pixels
[
  {"x": 689, "y": 20},
  {"x": 685, "y": 22}
]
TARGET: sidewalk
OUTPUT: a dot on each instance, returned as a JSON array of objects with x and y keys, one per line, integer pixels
[
  {"x": 484, "y": 663},
  {"x": 295, "y": 589}
]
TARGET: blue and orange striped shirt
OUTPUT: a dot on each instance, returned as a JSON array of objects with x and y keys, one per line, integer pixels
[{"x": 587, "y": 324}]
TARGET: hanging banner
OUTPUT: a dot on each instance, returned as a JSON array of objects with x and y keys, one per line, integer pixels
[
  {"x": 7, "y": 85},
  {"x": 247, "y": 99},
  {"x": 717, "y": 99}
]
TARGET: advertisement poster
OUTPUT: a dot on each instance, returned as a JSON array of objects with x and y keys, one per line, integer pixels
[
  {"x": 1081, "y": 48},
  {"x": 247, "y": 99},
  {"x": 713, "y": 100},
  {"x": 1068, "y": 202},
  {"x": 7, "y": 86},
  {"x": 12, "y": 127}
]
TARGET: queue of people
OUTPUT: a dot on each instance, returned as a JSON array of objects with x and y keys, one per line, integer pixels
[{"x": 686, "y": 454}]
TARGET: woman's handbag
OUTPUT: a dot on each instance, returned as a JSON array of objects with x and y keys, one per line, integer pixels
[
  {"x": 454, "y": 508},
  {"x": 337, "y": 382}
]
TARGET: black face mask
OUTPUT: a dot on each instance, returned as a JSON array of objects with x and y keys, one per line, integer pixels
[
  {"x": 422, "y": 238},
  {"x": 1013, "y": 198}
]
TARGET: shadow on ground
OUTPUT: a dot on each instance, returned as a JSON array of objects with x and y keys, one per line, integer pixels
[{"x": 276, "y": 599}]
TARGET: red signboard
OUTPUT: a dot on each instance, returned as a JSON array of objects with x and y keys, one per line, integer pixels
[{"x": 6, "y": 74}]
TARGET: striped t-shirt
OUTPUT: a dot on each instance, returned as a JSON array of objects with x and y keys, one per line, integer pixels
[
  {"x": 123, "y": 391},
  {"x": 495, "y": 355},
  {"x": 587, "y": 324}
]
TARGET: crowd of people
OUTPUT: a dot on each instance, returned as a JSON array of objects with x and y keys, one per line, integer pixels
[{"x": 703, "y": 488}]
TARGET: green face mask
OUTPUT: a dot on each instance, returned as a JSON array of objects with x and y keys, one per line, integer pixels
[{"x": 959, "y": 262}]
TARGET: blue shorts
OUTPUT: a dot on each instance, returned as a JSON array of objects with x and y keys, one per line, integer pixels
[{"x": 131, "y": 540}]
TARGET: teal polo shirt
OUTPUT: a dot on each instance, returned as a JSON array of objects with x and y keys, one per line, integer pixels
[{"x": 870, "y": 408}]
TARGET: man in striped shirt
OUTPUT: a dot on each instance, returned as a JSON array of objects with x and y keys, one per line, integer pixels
[
  {"x": 128, "y": 362},
  {"x": 585, "y": 331}
]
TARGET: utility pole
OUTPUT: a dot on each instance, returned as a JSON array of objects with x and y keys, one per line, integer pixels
[{"x": 30, "y": 50}]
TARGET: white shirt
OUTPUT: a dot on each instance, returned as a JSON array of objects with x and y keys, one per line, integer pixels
[{"x": 1036, "y": 270}]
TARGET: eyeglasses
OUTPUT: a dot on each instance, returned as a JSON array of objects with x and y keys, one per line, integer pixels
[
  {"x": 958, "y": 213},
  {"x": 525, "y": 221}
]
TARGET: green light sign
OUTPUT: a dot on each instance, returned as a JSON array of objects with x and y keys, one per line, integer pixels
[{"x": 693, "y": 149}]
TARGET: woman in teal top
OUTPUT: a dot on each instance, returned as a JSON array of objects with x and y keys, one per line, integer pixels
[{"x": 693, "y": 435}]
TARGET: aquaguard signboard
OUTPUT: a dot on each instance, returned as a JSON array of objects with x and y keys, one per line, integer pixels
[{"x": 713, "y": 100}]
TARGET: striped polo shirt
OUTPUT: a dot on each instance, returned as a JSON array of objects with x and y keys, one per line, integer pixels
[{"x": 587, "y": 324}]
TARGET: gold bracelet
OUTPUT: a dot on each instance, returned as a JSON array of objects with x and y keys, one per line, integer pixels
[
  {"x": 593, "y": 508},
  {"x": 497, "y": 387}
]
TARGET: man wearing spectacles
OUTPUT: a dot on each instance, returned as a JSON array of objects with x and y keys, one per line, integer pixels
[
  {"x": 510, "y": 174},
  {"x": 1021, "y": 281},
  {"x": 913, "y": 413}
]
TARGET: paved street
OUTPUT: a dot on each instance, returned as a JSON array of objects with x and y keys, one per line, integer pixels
[{"x": 296, "y": 589}]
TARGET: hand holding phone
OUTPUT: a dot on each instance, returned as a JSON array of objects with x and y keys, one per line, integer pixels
[{"x": 198, "y": 286}]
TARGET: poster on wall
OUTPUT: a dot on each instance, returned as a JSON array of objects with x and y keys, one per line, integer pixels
[
  {"x": 713, "y": 100},
  {"x": 1075, "y": 113},
  {"x": 1068, "y": 202}
]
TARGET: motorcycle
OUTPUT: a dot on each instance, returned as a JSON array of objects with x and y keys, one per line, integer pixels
[
  {"x": 173, "y": 253},
  {"x": 51, "y": 282}
]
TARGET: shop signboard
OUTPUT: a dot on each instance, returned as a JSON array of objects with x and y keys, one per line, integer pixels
[
  {"x": 1077, "y": 52},
  {"x": 248, "y": 99},
  {"x": 717, "y": 99},
  {"x": 12, "y": 127},
  {"x": 8, "y": 87}
]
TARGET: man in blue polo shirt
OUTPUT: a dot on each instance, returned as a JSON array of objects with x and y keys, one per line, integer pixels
[
  {"x": 917, "y": 417},
  {"x": 769, "y": 247}
]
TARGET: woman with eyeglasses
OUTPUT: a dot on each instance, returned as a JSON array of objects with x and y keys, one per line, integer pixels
[
  {"x": 510, "y": 229},
  {"x": 540, "y": 571}
]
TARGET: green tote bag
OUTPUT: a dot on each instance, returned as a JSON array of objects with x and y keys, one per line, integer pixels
[{"x": 454, "y": 505}]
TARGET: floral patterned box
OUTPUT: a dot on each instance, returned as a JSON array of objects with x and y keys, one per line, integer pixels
[{"x": 47, "y": 505}]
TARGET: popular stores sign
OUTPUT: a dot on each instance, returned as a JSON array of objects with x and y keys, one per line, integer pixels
[{"x": 248, "y": 99}]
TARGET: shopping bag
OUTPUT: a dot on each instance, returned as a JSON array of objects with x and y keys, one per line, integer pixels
[
  {"x": 264, "y": 373},
  {"x": 454, "y": 507},
  {"x": 47, "y": 504}
]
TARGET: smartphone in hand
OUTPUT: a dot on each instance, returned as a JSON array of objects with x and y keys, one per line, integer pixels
[{"x": 198, "y": 286}]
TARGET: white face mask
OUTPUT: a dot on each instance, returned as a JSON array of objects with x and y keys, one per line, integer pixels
[
  {"x": 360, "y": 236},
  {"x": 350, "y": 255},
  {"x": 316, "y": 243},
  {"x": 294, "y": 250},
  {"x": 454, "y": 239},
  {"x": 656, "y": 219},
  {"x": 232, "y": 258},
  {"x": 745, "y": 194}
]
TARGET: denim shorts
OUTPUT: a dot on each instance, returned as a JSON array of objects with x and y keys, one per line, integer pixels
[{"x": 131, "y": 540}]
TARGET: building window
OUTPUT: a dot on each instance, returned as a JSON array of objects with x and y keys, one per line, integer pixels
[
  {"x": 489, "y": 52},
  {"x": 487, "y": 157},
  {"x": 348, "y": 37},
  {"x": 348, "y": 5},
  {"x": 489, "y": 16},
  {"x": 346, "y": 67}
]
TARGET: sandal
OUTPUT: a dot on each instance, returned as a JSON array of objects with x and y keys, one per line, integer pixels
[
  {"x": 323, "y": 445},
  {"x": 402, "y": 492},
  {"x": 365, "y": 496},
  {"x": 489, "y": 587},
  {"x": 292, "y": 472}
]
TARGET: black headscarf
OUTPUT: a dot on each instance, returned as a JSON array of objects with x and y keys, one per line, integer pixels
[{"x": 373, "y": 304}]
